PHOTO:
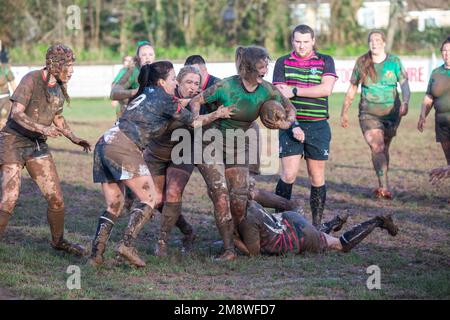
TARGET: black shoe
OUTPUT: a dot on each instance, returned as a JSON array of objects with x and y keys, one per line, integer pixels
[{"x": 342, "y": 219}]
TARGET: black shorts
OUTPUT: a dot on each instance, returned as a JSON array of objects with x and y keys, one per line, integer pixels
[
  {"x": 316, "y": 145},
  {"x": 389, "y": 127},
  {"x": 442, "y": 131}
]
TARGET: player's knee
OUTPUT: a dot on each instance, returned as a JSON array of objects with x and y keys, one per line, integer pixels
[
  {"x": 239, "y": 196},
  {"x": 288, "y": 177},
  {"x": 56, "y": 202},
  {"x": 173, "y": 194},
  {"x": 8, "y": 206},
  {"x": 377, "y": 147}
]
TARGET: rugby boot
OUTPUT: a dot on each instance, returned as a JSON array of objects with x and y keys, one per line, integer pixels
[
  {"x": 188, "y": 243},
  {"x": 388, "y": 224},
  {"x": 140, "y": 215},
  {"x": 228, "y": 255},
  {"x": 382, "y": 193},
  {"x": 104, "y": 228},
  {"x": 226, "y": 230},
  {"x": 55, "y": 219},
  {"x": 69, "y": 247},
  {"x": 188, "y": 232},
  {"x": 335, "y": 224},
  {"x": 130, "y": 254}
]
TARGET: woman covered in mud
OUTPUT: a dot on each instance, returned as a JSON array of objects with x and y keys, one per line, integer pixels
[
  {"x": 170, "y": 179},
  {"x": 247, "y": 91},
  {"x": 119, "y": 162},
  {"x": 37, "y": 104},
  {"x": 380, "y": 108}
]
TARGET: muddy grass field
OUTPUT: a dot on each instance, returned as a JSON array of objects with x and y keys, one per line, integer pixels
[{"x": 415, "y": 264}]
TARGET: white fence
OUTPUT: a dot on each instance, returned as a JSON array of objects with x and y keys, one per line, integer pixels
[{"x": 95, "y": 81}]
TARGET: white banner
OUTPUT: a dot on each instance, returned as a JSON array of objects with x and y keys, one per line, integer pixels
[{"x": 95, "y": 81}]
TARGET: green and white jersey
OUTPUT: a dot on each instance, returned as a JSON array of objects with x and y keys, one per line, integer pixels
[{"x": 380, "y": 98}]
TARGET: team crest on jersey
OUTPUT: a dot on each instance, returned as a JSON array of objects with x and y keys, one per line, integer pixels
[
  {"x": 389, "y": 75},
  {"x": 314, "y": 70}
]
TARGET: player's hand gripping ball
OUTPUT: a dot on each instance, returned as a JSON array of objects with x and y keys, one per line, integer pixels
[{"x": 273, "y": 115}]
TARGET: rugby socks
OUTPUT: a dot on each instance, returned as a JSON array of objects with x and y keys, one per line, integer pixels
[
  {"x": 170, "y": 215},
  {"x": 284, "y": 189},
  {"x": 354, "y": 236},
  {"x": 183, "y": 225},
  {"x": 55, "y": 218},
  {"x": 140, "y": 215},
  {"x": 105, "y": 225},
  {"x": 171, "y": 212},
  {"x": 317, "y": 199},
  {"x": 4, "y": 218}
]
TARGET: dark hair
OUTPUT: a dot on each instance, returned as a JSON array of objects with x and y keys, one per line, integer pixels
[
  {"x": 445, "y": 42},
  {"x": 246, "y": 59},
  {"x": 194, "y": 59},
  {"x": 302, "y": 28},
  {"x": 150, "y": 74},
  {"x": 141, "y": 44},
  {"x": 365, "y": 62}
]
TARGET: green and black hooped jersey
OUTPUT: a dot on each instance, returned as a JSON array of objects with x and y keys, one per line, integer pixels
[
  {"x": 295, "y": 71},
  {"x": 380, "y": 98},
  {"x": 439, "y": 90}
]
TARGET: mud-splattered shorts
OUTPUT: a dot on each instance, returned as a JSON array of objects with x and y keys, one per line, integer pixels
[
  {"x": 20, "y": 149},
  {"x": 159, "y": 166},
  {"x": 310, "y": 239},
  {"x": 117, "y": 158},
  {"x": 442, "y": 131},
  {"x": 389, "y": 127},
  {"x": 316, "y": 145}
]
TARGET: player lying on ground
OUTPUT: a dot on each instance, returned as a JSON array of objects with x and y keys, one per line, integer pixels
[{"x": 289, "y": 231}]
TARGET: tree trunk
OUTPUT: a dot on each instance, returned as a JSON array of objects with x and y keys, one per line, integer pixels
[{"x": 396, "y": 13}]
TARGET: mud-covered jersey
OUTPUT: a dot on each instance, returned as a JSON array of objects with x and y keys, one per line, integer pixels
[
  {"x": 439, "y": 89},
  {"x": 150, "y": 114},
  {"x": 161, "y": 146},
  {"x": 209, "y": 107},
  {"x": 127, "y": 78},
  {"x": 231, "y": 91},
  {"x": 380, "y": 98},
  {"x": 6, "y": 76},
  {"x": 277, "y": 233},
  {"x": 295, "y": 71},
  {"x": 31, "y": 93}
]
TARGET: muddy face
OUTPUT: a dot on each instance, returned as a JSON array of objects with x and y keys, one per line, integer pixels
[
  {"x": 189, "y": 85},
  {"x": 66, "y": 73}
]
